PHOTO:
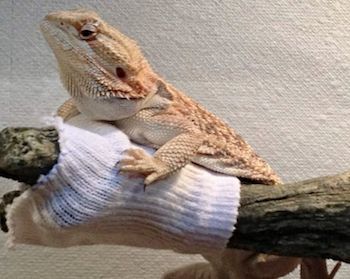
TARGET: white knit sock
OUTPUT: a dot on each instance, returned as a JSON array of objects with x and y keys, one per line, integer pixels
[{"x": 83, "y": 200}]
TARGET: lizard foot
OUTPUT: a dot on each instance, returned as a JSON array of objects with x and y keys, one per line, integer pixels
[{"x": 139, "y": 162}]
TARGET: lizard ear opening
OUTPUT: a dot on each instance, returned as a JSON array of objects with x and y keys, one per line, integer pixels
[{"x": 120, "y": 73}]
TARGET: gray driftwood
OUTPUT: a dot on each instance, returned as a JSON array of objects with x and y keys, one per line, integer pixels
[{"x": 305, "y": 219}]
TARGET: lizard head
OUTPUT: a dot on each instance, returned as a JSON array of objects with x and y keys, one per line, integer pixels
[{"x": 95, "y": 59}]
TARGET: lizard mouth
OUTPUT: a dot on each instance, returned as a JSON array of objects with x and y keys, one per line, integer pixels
[
  {"x": 67, "y": 49},
  {"x": 56, "y": 37}
]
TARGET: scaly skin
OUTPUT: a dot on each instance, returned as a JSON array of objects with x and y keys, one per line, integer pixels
[{"x": 109, "y": 79}]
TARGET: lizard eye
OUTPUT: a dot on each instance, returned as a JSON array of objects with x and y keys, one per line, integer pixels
[
  {"x": 120, "y": 72},
  {"x": 88, "y": 31}
]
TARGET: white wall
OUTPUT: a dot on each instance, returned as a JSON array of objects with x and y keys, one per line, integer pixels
[{"x": 278, "y": 71}]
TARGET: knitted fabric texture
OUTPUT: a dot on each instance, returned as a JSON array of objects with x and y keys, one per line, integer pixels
[{"x": 84, "y": 200}]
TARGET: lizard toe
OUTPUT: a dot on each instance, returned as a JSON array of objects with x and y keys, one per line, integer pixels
[
  {"x": 136, "y": 153},
  {"x": 139, "y": 162},
  {"x": 152, "y": 178}
]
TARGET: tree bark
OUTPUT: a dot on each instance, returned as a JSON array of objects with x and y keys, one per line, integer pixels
[
  {"x": 26, "y": 153},
  {"x": 308, "y": 219},
  {"x": 304, "y": 219}
]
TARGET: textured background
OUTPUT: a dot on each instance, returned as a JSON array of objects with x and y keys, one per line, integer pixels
[{"x": 278, "y": 71}]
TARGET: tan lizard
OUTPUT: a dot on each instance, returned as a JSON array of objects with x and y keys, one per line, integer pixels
[{"x": 108, "y": 78}]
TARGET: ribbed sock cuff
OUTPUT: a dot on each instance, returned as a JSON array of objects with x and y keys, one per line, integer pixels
[{"x": 84, "y": 200}]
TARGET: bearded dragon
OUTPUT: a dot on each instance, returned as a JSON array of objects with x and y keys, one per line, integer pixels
[{"x": 109, "y": 79}]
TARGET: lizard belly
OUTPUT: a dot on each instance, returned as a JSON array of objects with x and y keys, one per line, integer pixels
[{"x": 107, "y": 109}]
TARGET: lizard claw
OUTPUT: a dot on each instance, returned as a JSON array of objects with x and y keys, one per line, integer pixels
[{"x": 138, "y": 161}]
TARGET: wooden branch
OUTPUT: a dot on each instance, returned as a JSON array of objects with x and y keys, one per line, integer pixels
[
  {"x": 305, "y": 219},
  {"x": 26, "y": 153},
  {"x": 308, "y": 219}
]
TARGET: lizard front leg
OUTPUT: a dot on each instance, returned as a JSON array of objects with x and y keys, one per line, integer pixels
[
  {"x": 172, "y": 156},
  {"x": 68, "y": 110}
]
